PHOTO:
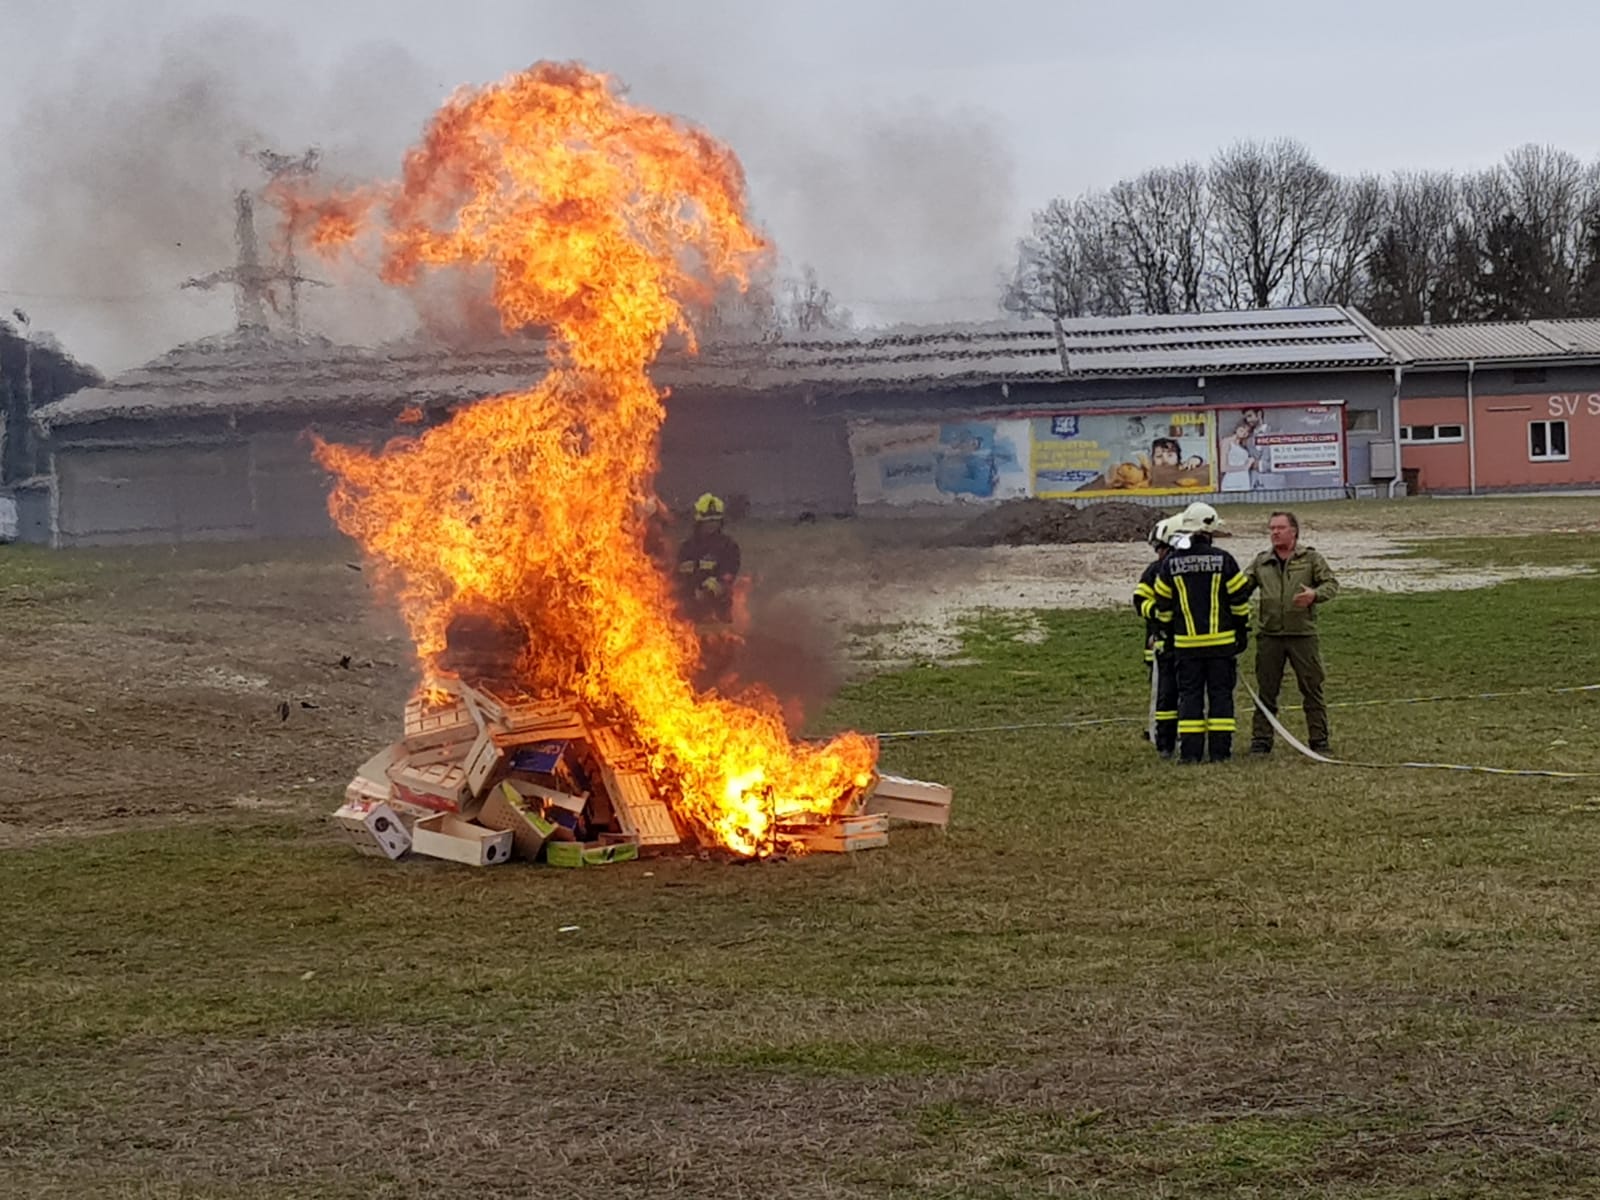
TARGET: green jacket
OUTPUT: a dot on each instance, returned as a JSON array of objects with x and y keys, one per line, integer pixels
[{"x": 1278, "y": 582}]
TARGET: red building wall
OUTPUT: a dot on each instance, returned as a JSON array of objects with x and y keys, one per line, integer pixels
[
  {"x": 1501, "y": 436},
  {"x": 1502, "y": 439},
  {"x": 1444, "y": 468}
]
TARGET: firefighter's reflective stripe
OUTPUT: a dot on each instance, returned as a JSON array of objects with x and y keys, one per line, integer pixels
[
  {"x": 1219, "y": 725},
  {"x": 1163, "y": 715},
  {"x": 687, "y": 566},
  {"x": 1239, "y": 583},
  {"x": 1201, "y": 641},
  {"x": 1209, "y": 597},
  {"x": 1183, "y": 604},
  {"x": 1144, "y": 603},
  {"x": 708, "y": 564},
  {"x": 1191, "y": 637},
  {"x": 1197, "y": 726}
]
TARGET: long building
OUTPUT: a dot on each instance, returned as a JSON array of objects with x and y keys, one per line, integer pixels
[
  {"x": 1503, "y": 407},
  {"x": 208, "y": 441}
]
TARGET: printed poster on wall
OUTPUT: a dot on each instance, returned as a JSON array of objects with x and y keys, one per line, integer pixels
[
  {"x": 1111, "y": 454},
  {"x": 1270, "y": 449},
  {"x": 940, "y": 462}
]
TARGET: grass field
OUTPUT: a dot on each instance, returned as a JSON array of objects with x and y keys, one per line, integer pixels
[{"x": 1110, "y": 978}]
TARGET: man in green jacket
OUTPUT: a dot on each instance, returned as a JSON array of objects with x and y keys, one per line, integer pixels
[{"x": 1292, "y": 581}]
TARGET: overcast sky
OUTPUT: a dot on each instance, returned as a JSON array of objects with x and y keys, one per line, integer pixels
[{"x": 898, "y": 148}]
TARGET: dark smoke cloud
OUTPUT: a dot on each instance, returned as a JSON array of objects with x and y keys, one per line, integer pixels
[
  {"x": 122, "y": 170},
  {"x": 123, "y": 176},
  {"x": 906, "y": 215}
]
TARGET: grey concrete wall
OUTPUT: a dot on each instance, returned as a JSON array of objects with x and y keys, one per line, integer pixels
[
  {"x": 781, "y": 454},
  {"x": 165, "y": 494},
  {"x": 33, "y": 513},
  {"x": 786, "y": 453},
  {"x": 288, "y": 490},
  {"x": 1502, "y": 381}
]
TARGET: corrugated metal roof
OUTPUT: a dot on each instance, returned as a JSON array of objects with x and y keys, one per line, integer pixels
[
  {"x": 1220, "y": 343},
  {"x": 1491, "y": 341},
  {"x": 250, "y": 374}
]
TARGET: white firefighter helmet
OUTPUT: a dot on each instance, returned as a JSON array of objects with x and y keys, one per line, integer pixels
[
  {"x": 1199, "y": 517},
  {"x": 1161, "y": 535}
]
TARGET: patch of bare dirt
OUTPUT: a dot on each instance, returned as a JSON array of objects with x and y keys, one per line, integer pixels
[
  {"x": 1051, "y": 522},
  {"x": 164, "y": 690},
  {"x": 897, "y": 603},
  {"x": 196, "y": 683}
]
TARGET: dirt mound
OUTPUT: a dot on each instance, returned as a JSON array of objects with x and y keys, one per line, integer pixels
[{"x": 1044, "y": 522}]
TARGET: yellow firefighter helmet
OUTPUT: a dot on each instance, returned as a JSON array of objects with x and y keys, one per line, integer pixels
[{"x": 709, "y": 508}]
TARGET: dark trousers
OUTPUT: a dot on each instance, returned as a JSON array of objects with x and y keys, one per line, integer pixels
[
  {"x": 1205, "y": 706},
  {"x": 1304, "y": 655},
  {"x": 1166, "y": 669}
]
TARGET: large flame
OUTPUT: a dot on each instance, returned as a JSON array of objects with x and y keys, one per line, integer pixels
[{"x": 605, "y": 224}]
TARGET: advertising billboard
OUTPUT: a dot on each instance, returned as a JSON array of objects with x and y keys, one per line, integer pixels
[
  {"x": 1271, "y": 449},
  {"x": 1119, "y": 454}
]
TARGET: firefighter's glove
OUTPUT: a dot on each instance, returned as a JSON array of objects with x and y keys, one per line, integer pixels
[
  {"x": 1241, "y": 641},
  {"x": 713, "y": 587}
]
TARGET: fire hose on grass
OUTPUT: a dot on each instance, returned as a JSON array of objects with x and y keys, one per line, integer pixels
[{"x": 1294, "y": 742}]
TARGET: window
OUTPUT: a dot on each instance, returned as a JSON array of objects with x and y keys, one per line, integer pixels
[
  {"x": 1547, "y": 441},
  {"x": 1360, "y": 420},
  {"x": 1433, "y": 433}
]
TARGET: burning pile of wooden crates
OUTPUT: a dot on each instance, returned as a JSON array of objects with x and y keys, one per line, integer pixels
[{"x": 480, "y": 779}]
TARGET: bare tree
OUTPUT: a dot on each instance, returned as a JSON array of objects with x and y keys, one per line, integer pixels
[
  {"x": 1160, "y": 220},
  {"x": 808, "y": 307},
  {"x": 742, "y": 313},
  {"x": 1071, "y": 266},
  {"x": 1335, "y": 269},
  {"x": 1273, "y": 204},
  {"x": 1413, "y": 272},
  {"x": 1546, "y": 190},
  {"x": 1266, "y": 225}
]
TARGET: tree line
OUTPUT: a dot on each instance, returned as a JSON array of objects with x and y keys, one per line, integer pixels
[
  {"x": 33, "y": 372},
  {"x": 1264, "y": 225}
]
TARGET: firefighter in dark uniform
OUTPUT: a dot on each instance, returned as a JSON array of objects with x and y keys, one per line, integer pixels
[
  {"x": 1157, "y": 652},
  {"x": 1204, "y": 600},
  {"x": 708, "y": 564}
]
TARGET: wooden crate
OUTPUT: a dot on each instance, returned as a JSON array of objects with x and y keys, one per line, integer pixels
[
  {"x": 444, "y": 752},
  {"x": 910, "y": 800},
  {"x": 636, "y": 810},
  {"x": 518, "y": 722},
  {"x": 842, "y": 835},
  {"x": 482, "y": 760},
  {"x": 428, "y": 725},
  {"x": 442, "y": 786},
  {"x": 372, "y": 777},
  {"x": 615, "y": 750}
]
